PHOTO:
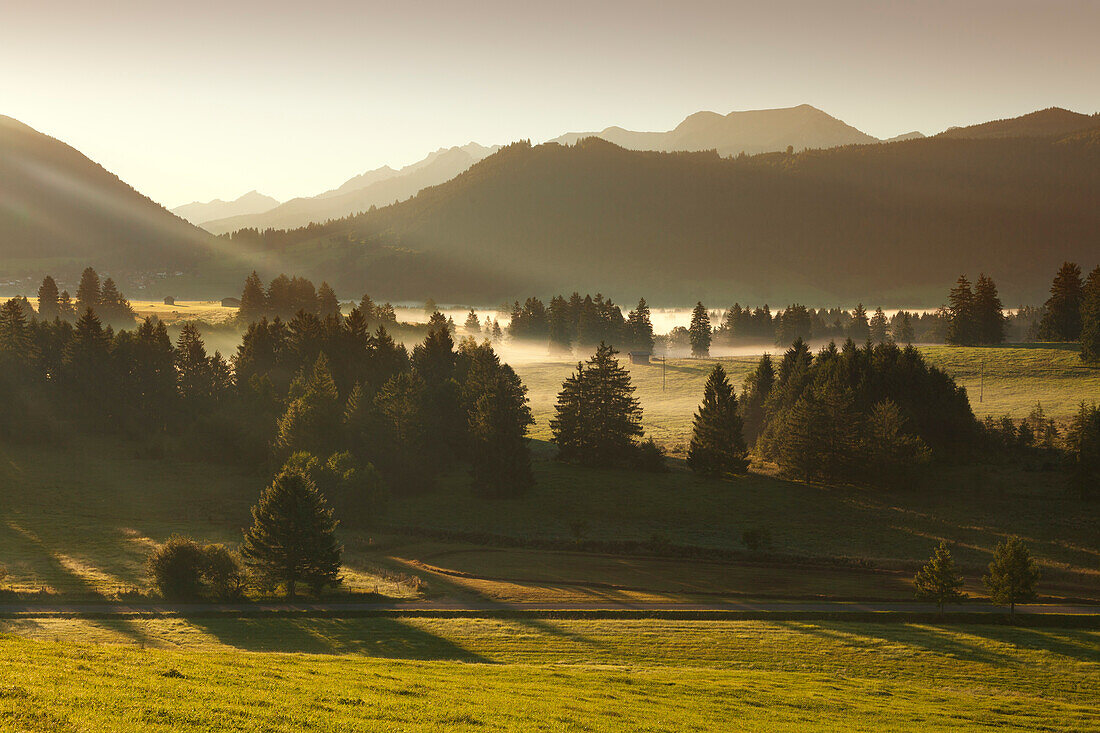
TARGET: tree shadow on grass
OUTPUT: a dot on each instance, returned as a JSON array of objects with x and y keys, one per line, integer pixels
[{"x": 382, "y": 637}]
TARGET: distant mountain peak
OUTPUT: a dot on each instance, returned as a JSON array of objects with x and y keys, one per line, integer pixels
[{"x": 252, "y": 202}]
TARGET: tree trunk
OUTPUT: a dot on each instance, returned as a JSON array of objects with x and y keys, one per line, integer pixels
[{"x": 290, "y": 590}]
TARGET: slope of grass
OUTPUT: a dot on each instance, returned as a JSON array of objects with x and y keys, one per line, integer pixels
[{"x": 471, "y": 674}]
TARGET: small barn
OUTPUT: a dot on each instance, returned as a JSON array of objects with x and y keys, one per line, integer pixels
[
  {"x": 231, "y": 302},
  {"x": 169, "y": 300},
  {"x": 639, "y": 357}
]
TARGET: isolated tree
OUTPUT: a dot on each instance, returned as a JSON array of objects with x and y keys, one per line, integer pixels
[
  {"x": 1012, "y": 574},
  {"x": 597, "y": 416},
  {"x": 938, "y": 580},
  {"x": 859, "y": 330},
  {"x": 989, "y": 317},
  {"x": 1062, "y": 319},
  {"x": 962, "y": 325},
  {"x": 253, "y": 300},
  {"x": 87, "y": 293},
  {"x": 639, "y": 328},
  {"x": 699, "y": 331},
  {"x": 48, "y": 300},
  {"x": 472, "y": 324},
  {"x": 717, "y": 443},
  {"x": 498, "y": 334},
  {"x": 293, "y": 535},
  {"x": 328, "y": 305},
  {"x": 878, "y": 327},
  {"x": 1090, "y": 318}
]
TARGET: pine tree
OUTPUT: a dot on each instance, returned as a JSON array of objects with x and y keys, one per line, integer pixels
[
  {"x": 113, "y": 307},
  {"x": 989, "y": 317},
  {"x": 1012, "y": 574},
  {"x": 699, "y": 331},
  {"x": 1062, "y": 319},
  {"x": 640, "y": 328},
  {"x": 87, "y": 293},
  {"x": 859, "y": 330},
  {"x": 194, "y": 376},
  {"x": 293, "y": 535},
  {"x": 877, "y": 327},
  {"x": 560, "y": 325},
  {"x": 498, "y": 334},
  {"x": 472, "y": 324},
  {"x": 400, "y": 450},
  {"x": 253, "y": 300},
  {"x": 499, "y": 418},
  {"x": 717, "y": 443},
  {"x": 1090, "y": 318},
  {"x": 903, "y": 328},
  {"x": 328, "y": 305},
  {"x": 962, "y": 326},
  {"x": 65, "y": 308},
  {"x": 893, "y": 455},
  {"x": 597, "y": 416},
  {"x": 1083, "y": 439},
  {"x": 48, "y": 303},
  {"x": 754, "y": 394},
  {"x": 312, "y": 421},
  {"x": 938, "y": 580}
]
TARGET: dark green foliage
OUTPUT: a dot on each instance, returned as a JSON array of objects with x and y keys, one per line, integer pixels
[
  {"x": 529, "y": 322},
  {"x": 177, "y": 568},
  {"x": 989, "y": 318},
  {"x": 1090, "y": 318},
  {"x": 472, "y": 325},
  {"x": 87, "y": 293},
  {"x": 859, "y": 330},
  {"x": 962, "y": 327},
  {"x": 1084, "y": 445},
  {"x": 903, "y": 328},
  {"x": 1012, "y": 574},
  {"x": 498, "y": 420},
  {"x": 649, "y": 457},
  {"x": 312, "y": 421},
  {"x": 354, "y": 490},
  {"x": 597, "y": 416},
  {"x": 639, "y": 328},
  {"x": 938, "y": 580},
  {"x": 328, "y": 306},
  {"x": 793, "y": 323},
  {"x": 754, "y": 395},
  {"x": 293, "y": 535},
  {"x": 396, "y": 442},
  {"x": 821, "y": 419},
  {"x": 253, "y": 300},
  {"x": 878, "y": 327},
  {"x": 699, "y": 332},
  {"x": 48, "y": 300},
  {"x": 1062, "y": 319},
  {"x": 559, "y": 324},
  {"x": 717, "y": 443}
]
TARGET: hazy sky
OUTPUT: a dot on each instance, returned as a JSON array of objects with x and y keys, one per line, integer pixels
[{"x": 200, "y": 99}]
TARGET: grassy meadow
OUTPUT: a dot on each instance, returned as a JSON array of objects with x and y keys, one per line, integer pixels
[{"x": 484, "y": 674}]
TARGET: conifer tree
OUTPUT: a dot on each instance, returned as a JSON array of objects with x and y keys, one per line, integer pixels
[
  {"x": 962, "y": 325},
  {"x": 597, "y": 416},
  {"x": 48, "y": 300},
  {"x": 754, "y": 394},
  {"x": 560, "y": 326},
  {"x": 65, "y": 308},
  {"x": 640, "y": 328},
  {"x": 938, "y": 580},
  {"x": 1083, "y": 440},
  {"x": 989, "y": 317},
  {"x": 293, "y": 535},
  {"x": 328, "y": 305},
  {"x": 498, "y": 422},
  {"x": 194, "y": 376},
  {"x": 313, "y": 419},
  {"x": 878, "y": 327},
  {"x": 400, "y": 449},
  {"x": 87, "y": 293},
  {"x": 253, "y": 300},
  {"x": 1012, "y": 574},
  {"x": 859, "y": 330},
  {"x": 903, "y": 328},
  {"x": 717, "y": 443},
  {"x": 892, "y": 454},
  {"x": 1090, "y": 318},
  {"x": 1062, "y": 319},
  {"x": 472, "y": 324},
  {"x": 699, "y": 332}
]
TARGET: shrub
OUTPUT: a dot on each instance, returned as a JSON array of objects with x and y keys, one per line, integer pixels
[
  {"x": 648, "y": 456},
  {"x": 177, "y": 568},
  {"x": 757, "y": 538},
  {"x": 222, "y": 572}
]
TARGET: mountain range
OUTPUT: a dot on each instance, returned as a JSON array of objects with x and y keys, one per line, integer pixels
[
  {"x": 890, "y": 222},
  {"x": 252, "y": 202}
]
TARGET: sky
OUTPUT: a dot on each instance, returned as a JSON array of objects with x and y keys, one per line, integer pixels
[{"x": 198, "y": 100}]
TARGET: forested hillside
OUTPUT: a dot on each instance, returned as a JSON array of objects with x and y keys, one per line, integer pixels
[{"x": 889, "y": 222}]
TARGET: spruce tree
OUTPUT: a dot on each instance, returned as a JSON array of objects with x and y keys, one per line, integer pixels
[
  {"x": 1083, "y": 439},
  {"x": 892, "y": 454},
  {"x": 65, "y": 307},
  {"x": 1062, "y": 319},
  {"x": 859, "y": 330},
  {"x": 293, "y": 535},
  {"x": 498, "y": 421},
  {"x": 754, "y": 394},
  {"x": 1090, "y": 318},
  {"x": 878, "y": 327},
  {"x": 1012, "y": 574},
  {"x": 472, "y": 324},
  {"x": 989, "y": 317},
  {"x": 962, "y": 324},
  {"x": 253, "y": 300},
  {"x": 559, "y": 323},
  {"x": 328, "y": 305},
  {"x": 48, "y": 300},
  {"x": 717, "y": 443},
  {"x": 597, "y": 416},
  {"x": 87, "y": 293},
  {"x": 639, "y": 328},
  {"x": 194, "y": 376},
  {"x": 938, "y": 580},
  {"x": 903, "y": 328},
  {"x": 699, "y": 332},
  {"x": 312, "y": 421}
]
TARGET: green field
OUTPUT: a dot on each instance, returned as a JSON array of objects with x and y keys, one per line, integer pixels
[{"x": 481, "y": 674}]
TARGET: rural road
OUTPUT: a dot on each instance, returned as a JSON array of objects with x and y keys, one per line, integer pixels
[{"x": 428, "y": 608}]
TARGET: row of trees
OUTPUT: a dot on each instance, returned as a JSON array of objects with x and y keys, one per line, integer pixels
[
  {"x": 284, "y": 297},
  {"x": 1011, "y": 579},
  {"x": 975, "y": 317},
  {"x": 583, "y": 322},
  {"x": 105, "y": 299}
]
